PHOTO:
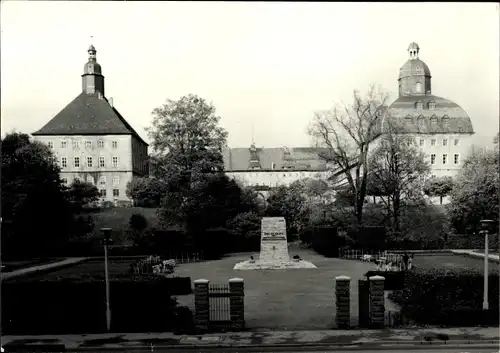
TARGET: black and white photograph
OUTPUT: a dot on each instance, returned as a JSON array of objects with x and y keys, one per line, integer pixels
[{"x": 218, "y": 176}]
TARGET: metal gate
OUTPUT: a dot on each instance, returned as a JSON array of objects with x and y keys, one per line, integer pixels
[{"x": 220, "y": 309}]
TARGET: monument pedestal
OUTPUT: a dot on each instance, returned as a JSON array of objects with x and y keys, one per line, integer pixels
[{"x": 273, "y": 249}]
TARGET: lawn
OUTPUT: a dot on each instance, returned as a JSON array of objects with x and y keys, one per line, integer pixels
[
  {"x": 21, "y": 264},
  {"x": 90, "y": 267},
  {"x": 118, "y": 218},
  {"x": 451, "y": 261},
  {"x": 284, "y": 299}
]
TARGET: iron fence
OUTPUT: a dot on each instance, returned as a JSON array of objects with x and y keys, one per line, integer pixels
[{"x": 219, "y": 303}]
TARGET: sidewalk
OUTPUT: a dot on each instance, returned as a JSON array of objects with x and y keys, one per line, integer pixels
[
  {"x": 269, "y": 339},
  {"x": 25, "y": 271},
  {"x": 478, "y": 255}
]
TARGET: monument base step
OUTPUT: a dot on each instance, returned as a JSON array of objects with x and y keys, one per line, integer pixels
[{"x": 272, "y": 265}]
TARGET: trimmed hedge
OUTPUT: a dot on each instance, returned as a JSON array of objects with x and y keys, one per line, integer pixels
[
  {"x": 78, "y": 305},
  {"x": 453, "y": 298},
  {"x": 326, "y": 241},
  {"x": 394, "y": 280}
]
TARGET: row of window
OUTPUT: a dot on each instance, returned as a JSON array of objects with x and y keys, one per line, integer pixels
[
  {"x": 102, "y": 180},
  {"x": 88, "y": 144},
  {"x": 445, "y": 159},
  {"x": 444, "y": 142},
  {"x": 434, "y": 119},
  {"x": 77, "y": 162}
]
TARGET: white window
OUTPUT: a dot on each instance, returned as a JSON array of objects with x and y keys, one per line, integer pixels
[
  {"x": 65, "y": 181},
  {"x": 455, "y": 159},
  {"x": 76, "y": 145},
  {"x": 422, "y": 142},
  {"x": 116, "y": 180},
  {"x": 89, "y": 162},
  {"x": 90, "y": 179},
  {"x": 63, "y": 144},
  {"x": 455, "y": 142},
  {"x": 115, "y": 162},
  {"x": 433, "y": 159},
  {"x": 418, "y": 87},
  {"x": 116, "y": 192},
  {"x": 51, "y": 144},
  {"x": 114, "y": 144},
  {"x": 102, "y": 180},
  {"x": 445, "y": 142},
  {"x": 102, "y": 192},
  {"x": 88, "y": 144},
  {"x": 64, "y": 162},
  {"x": 445, "y": 158},
  {"x": 433, "y": 142},
  {"x": 101, "y": 161},
  {"x": 76, "y": 162},
  {"x": 100, "y": 144}
]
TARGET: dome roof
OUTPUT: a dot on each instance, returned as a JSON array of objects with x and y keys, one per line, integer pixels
[
  {"x": 92, "y": 68},
  {"x": 416, "y": 118},
  {"x": 414, "y": 67},
  {"x": 413, "y": 46}
]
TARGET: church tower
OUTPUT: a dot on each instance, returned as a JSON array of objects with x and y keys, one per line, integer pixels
[{"x": 92, "y": 78}]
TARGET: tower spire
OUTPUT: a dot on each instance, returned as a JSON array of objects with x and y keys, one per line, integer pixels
[{"x": 92, "y": 78}]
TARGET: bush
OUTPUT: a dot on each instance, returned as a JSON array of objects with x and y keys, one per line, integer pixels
[
  {"x": 215, "y": 242},
  {"x": 394, "y": 280},
  {"x": 77, "y": 305},
  {"x": 371, "y": 238},
  {"x": 326, "y": 241},
  {"x": 433, "y": 296}
]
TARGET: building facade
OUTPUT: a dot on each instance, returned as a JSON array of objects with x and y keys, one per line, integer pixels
[
  {"x": 439, "y": 126},
  {"x": 92, "y": 142}
]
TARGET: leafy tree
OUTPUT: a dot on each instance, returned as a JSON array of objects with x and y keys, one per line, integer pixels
[
  {"x": 146, "y": 192},
  {"x": 289, "y": 202},
  {"x": 347, "y": 132},
  {"x": 397, "y": 167},
  {"x": 35, "y": 211},
  {"x": 187, "y": 156},
  {"x": 476, "y": 195},
  {"x": 245, "y": 228},
  {"x": 82, "y": 195},
  {"x": 439, "y": 186}
]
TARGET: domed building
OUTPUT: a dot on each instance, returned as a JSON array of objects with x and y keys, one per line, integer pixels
[{"x": 440, "y": 126}]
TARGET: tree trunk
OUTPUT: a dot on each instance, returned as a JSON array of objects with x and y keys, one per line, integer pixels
[
  {"x": 440, "y": 200},
  {"x": 396, "y": 210}
]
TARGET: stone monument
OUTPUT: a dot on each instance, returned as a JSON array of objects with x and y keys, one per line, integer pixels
[{"x": 273, "y": 249}]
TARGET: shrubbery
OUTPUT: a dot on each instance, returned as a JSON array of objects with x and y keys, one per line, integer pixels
[
  {"x": 394, "y": 280},
  {"x": 77, "y": 305},
  {"x": 443, "y": 297}
]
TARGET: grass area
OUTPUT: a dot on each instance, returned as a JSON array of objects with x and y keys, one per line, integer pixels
[
  {"x": 90, "y": 267},
  {"x": 284, "y": 299},
  {"x": 118, "y": 219},
  {"x": 449, "y": 261},
  {"x": 21, "y": 264}
]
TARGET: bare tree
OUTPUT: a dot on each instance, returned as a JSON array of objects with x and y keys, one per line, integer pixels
[
  {"x": 346, "y": 133},
  {"x": 397, "y": 170}
]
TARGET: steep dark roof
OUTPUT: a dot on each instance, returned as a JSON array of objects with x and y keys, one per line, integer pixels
[
  {"x": 445, "y": 117},
  {"x": 303, "y": 158},
  {"x": 88, "y": 114}
]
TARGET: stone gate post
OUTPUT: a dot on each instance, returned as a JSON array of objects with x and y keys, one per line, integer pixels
[
  {"x": 237, "y": 303},
  {"x": 201, "y": 303},
  {"x": 343, "y": 301},
  {"x": 377, "y": 302}
]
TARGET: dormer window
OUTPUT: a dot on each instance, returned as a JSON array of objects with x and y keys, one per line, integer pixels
[
  {"x": 434, "y": 120},
  {"x": 409, "y": 117},
  {"x": 446, "y": 120},
  {"x": 432, "y": 105},
  {"x": 418, "y": 86},
  {"x": 419, "y": 105}
]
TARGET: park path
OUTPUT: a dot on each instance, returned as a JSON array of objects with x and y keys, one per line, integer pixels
[{"x": 33, "y": 269}]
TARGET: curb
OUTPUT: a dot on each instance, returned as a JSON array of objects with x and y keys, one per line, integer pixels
[{"x": 360, "y": 345}]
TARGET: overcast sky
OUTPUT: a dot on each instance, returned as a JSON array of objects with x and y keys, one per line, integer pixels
[{"x": 263, "y": 65}]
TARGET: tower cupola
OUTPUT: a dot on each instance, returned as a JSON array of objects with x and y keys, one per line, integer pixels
[{"x": 92, "y": 78}]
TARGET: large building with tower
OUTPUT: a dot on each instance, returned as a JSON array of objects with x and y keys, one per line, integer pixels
[
  {"x": 92, "y": 142},
  {"x": 439, "y": 126}
]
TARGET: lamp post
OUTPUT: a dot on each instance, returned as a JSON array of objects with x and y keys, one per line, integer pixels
[
  {"x": 486, "y": 225},
  {"x": 106, "y": 239}
]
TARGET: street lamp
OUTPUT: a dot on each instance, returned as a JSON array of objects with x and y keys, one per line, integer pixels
[
  {"x": 106, "y": 240},
  {"x": 486, "y": 225}
]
